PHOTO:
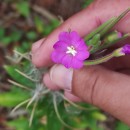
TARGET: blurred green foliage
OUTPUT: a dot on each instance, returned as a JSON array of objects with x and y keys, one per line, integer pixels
[
  {"x": 87, "y": 2},
  {"x": 45, "y": 108},
  {"x": 122, "y": 126},
  {"x": 44, "y": 117},
  {"x": 23, "y": 8}
]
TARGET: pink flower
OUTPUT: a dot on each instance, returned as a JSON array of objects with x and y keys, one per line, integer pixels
[
  {"x": 126, "y": 49},
  {"x": 70, "y": 50}
]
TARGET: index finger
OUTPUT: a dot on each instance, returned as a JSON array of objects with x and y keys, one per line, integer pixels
[{"x": 83, "y": 22}]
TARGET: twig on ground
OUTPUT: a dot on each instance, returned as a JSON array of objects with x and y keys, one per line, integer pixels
[{"x": 44, "y": 12}]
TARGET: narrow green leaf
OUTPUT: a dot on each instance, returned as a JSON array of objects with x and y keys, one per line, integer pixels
[
  {"x": 113, "y": 23},
  {"x": 95, "y": 48},
  {"x": 94, "y": 40},
  {"x": 19, "y": 124},
  {"x": 101, "y": 27},
  {"x": 108, "y": 44},
  {"x": 12, "y": 98},
  {"x": 17, "y": 77}
]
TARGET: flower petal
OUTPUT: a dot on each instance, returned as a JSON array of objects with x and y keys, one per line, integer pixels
[
  {"x": 66, "y": 61},
  {"x": 65, "y": 37},
  {"x": 74, "y": 36},
  {"x": 82, "y": 45},
  {"x": 57, "y": 56},
  {"x": 82, "y": 55},
  {"x": 60, "y": 46},
  {"x": 77, "y": 64},
  {"x": 126, "y": 49}
]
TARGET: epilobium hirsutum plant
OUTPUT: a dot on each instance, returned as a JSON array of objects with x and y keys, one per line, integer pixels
[{"x": 73, "y": 52}]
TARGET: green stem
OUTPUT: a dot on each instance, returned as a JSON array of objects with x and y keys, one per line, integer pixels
[
  {"x": 76, "y": 105},
  {"x": 25, "y": 75},
  {"x": 32, "y": 99},
  {"x": 89, "y": 36},
  {"x": 32, "y": 113},
  {"x": 100, "y": 60},
  {"x": 23, "y": 55},
  {"x": 106, "y": 45},
  {"x": 58, "y": 115},
  {"x": 19, "y": 105},
  {"x": 19, "y": 85}
]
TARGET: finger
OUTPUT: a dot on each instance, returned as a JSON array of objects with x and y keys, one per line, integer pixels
[
  {"x": 84, "y": 22},
  {"x": 51, "y": 85},
  {"x": 124, "y": 71},
  {"x": 106, "y": 89},
  {"x": 118, "y": 63},
  {"x": 47, "y": 81},
  {"x": 72, "y": 97},
  {"x": 110, "y": 9},
  {"x": 89, "y": 22},
  {"x": 37, "y": 45}
]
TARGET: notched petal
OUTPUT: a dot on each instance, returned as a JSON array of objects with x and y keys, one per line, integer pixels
[
  {"x": 64, "y": 36},
  {"x": 60, "y": 46},
  {"x": 66, "y": 61},
  {"x": 57, "y": 56},
  {"x": 77, "y": 64},
  {"x": 82, "y": 55}
]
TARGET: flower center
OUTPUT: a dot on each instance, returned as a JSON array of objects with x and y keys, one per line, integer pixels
[{"x": 71, "y": 50}]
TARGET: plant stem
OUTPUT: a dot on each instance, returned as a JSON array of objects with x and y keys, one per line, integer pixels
[
  {"x": 19, "y": 85},
  {"x": 25, "y": 75},
  {"x": 100, "y": 60},
  {"x": 89, "y": 36},
  {"x": 76, "y": 105},
  {"x": 58, "y": 114},
  {"x": 32, "y": 113},
  {"x": 23, "y": 55},
  {"x": 19, "y": 105},
  {"x": 106, "y": 45},
  {"x": 105, "y": 30}
]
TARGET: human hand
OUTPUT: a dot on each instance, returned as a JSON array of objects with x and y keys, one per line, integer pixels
[{"x": 98, "y": 85}]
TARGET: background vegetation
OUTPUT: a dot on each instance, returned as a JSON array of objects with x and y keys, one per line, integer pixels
[{"x": 23, "y": 22}]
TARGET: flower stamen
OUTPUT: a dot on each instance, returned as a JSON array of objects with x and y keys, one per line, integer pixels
[{"x": 71, "y": 50}]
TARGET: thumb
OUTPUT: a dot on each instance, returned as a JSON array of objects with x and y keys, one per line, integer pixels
[{"x": 96, "y": 85}]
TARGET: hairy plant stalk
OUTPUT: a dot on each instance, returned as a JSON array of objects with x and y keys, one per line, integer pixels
[
  {"x": 58, "y": 114},
  {"x": 32, "y": 113},
  {"x": 19, "y": 85},
  {"x": 100, "y": 60},
  {"x": 23, "y": 55},
  {"x": 76, "y": 105},
  {"x": 35, "y": 96},
  {"x": 19, "y": 105},
  {"x": 25, "y": 75}
]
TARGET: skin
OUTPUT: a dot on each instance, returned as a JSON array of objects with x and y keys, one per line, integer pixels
[{"x": 106, "y": 86}]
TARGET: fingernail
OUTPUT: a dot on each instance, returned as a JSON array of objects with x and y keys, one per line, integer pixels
[{"x": 62, "y": 77}]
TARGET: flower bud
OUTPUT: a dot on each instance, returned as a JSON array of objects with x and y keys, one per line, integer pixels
[
  {"x": 118, "y": 52},
  {"x": 126, "y": 49},
  {"x": 122, "y": 51},
  {"x": 112, "y": 37}
]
